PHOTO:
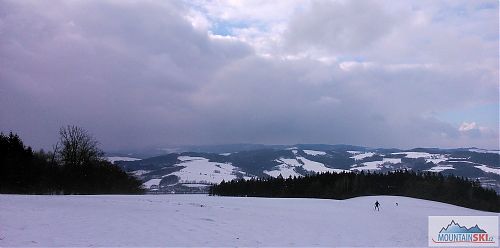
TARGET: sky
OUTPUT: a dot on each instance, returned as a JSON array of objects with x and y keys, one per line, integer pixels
[{"x": 141, "y": 74}]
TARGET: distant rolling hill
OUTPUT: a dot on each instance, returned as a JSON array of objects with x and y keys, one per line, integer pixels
[{"x": 190, "y": 171}]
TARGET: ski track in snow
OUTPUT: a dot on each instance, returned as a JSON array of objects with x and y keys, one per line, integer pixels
[{"x": 201, "y": 220}]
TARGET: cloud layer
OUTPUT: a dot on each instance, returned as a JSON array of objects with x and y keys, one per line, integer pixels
[{"x": 150, "y": 73}]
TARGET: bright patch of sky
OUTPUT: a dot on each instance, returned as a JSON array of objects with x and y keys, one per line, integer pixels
[
  {"x": 227, "y": 28},
  {"x": 485, "y": 114}
]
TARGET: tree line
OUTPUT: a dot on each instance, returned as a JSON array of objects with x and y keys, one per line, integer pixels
[
  {"x": 75, "y": 166},
  {"x": 423, "y": 185}
]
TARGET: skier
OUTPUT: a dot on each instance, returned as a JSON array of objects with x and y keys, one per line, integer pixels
[
  {"x": 397, "y": 204},
  {"x": 377, "y": 206}
]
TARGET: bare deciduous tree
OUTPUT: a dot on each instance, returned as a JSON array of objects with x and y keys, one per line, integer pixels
[{"x": 78, "y": 147}]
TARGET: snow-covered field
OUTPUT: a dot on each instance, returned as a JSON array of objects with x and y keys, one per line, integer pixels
[
  {"x": 314, "y": 153},
  {"x": 441, "y": 168},
  {"x": 201, "y": 220},
  {"x": 361, "y": 156},
  {"x": 376, "y": 165},
  {"x": 198, "y": 169}
]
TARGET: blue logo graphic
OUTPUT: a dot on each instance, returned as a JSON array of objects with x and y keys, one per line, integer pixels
[{"x": 454, "y": 227}]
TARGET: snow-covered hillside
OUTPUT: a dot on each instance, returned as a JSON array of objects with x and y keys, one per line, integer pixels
[
  {"x": 195, "y": 167},
  {"x": 201, "y": 220}
]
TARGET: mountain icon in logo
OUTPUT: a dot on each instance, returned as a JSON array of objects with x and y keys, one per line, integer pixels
[{"x": 454, "y": 227}]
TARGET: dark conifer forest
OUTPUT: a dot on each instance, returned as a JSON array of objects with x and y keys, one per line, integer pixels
[
  {"x": 423, "y": 185},
  {"x": 23, "y": 171}
]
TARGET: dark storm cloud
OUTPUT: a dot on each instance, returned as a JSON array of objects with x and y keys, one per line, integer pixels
[
  {"x": 124, "y": 70},
  {"x": 140, "y": 73}
]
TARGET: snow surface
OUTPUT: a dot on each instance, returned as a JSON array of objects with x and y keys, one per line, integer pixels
[
  {"x": 201, "y": 220},
  {"x": 488, "y": 169},
  {"x": 441, "y": 168},
  {"x": 354, "y": 152},
  {"x": 314, "y": 153},
  {"x": 285, "y": 168},
  {"x": 114, "y": 159},
  {"x": 282, "y": 170},
  {"x": 377, "y": 165},
  {"x": 485, "y": 151},
  {"x": 363, "y": 155},
  {"x": 415, "y": 154},
  {"x": 199, "y": 169},
  {"x": 151, "y": 182},
  {"x": 139, "y": 172},
  {"x": 434, "y": 158},
  {"x": 317, "y": 167}
]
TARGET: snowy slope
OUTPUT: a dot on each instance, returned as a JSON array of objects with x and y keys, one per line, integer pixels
[
  {"x": 316, "y": 167},
  {"x": 201, "y": 220},
  {"x": 286, "y": 168},
  {"x": 314, "y": 153},
  {"x": 114, "y": 159},
  {"x": 484, "y": 151},
  {"x": 441, "y": 168},
  {"x": 377, "y": 165},
  {"x": 434, "y": 158},
  {"x": 361, "y": 156},
  {"x": 198, "y": 169}
]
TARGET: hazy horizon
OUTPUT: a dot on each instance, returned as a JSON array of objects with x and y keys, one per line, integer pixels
[{"x": 139, "y": 74}]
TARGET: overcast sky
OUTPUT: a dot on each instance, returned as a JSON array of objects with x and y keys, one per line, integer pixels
[{"x": 158, "y": 73}]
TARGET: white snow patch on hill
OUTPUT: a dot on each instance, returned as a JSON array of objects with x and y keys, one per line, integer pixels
[
  {"x": 354, "y": 152},
  {"x": 377, "y": 165},
  {"x": 363, "y": 155},
  {"x": 282, "y": 170},
  {"x": 139, "y": 172},
  {"x": 225, "y": 154},
  {"x": 415, "y": 154},
  {"x": 317, "y": 167},
  {"x": 286, "y": 168},
  {"x": 484, "y": 151},
  {"x": 203, "y": 221},
  {"x": 488, "y": 169},
  {"x": 152, "y": 182},
  {"x": 289, "y": 161},
  {"x": 434, "y": 158},
  {"x": 442, "y": 167},
  {"x": 199, "y": 169},
  {"x": 314, "y": 153},
  {"x": 114, "y": 159}
]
